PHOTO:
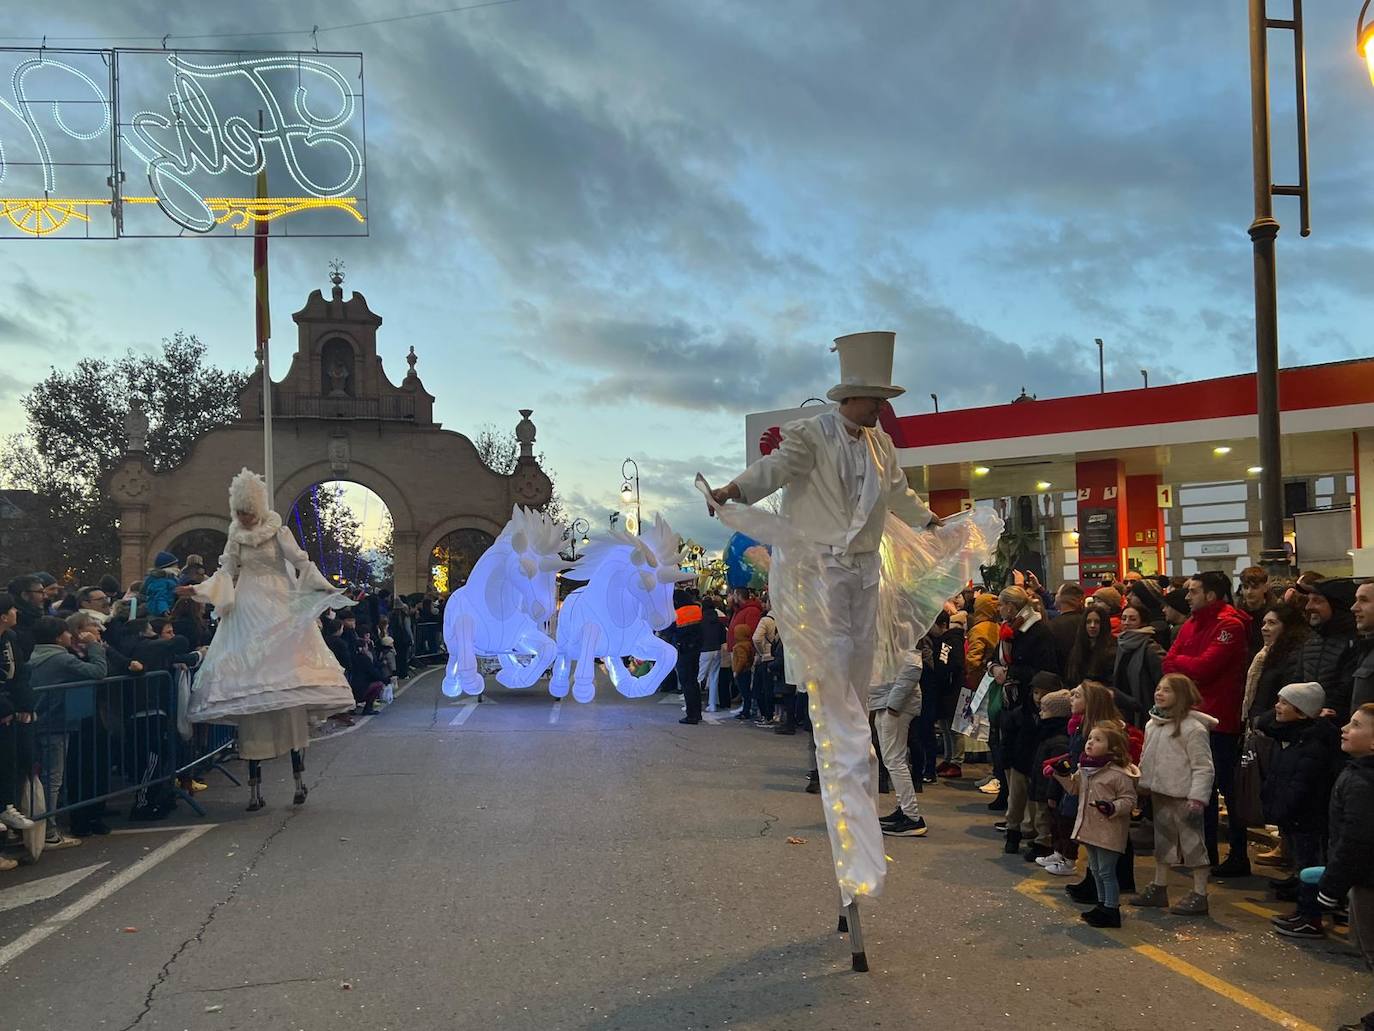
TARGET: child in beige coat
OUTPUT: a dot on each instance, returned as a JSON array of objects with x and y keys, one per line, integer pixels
[{"x": 1105, "y": 783}]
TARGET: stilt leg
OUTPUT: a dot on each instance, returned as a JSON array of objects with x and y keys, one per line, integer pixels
[
  {"x": 856, "y": 939},
  {"x": 843, "y": 928}
]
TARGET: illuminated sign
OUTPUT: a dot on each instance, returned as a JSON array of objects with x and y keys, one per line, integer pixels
[{"x": 110, "y": 143}]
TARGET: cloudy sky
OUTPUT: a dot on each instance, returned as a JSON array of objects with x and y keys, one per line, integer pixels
[{"x": 644, "y": 218}]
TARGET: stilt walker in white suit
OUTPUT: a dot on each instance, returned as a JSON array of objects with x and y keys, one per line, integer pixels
[{"x": 840, "y": 480}]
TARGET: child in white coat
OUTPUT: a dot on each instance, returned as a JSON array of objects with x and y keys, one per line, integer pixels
[{"x": 1176, "y": 768}]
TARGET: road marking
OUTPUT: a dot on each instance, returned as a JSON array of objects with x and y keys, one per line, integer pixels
[
  {"x": 1263, "y": 911},
  {"x": 61, "y": 919},
  {"x": 465, "y": 710},
  {"x": 553, "y": 713},
  {"x": 1034, "y": 889},
  {"x": 44, "y": 888},
  {"x": 670, "y": 699},
  {"x": 169, "y": 829}
]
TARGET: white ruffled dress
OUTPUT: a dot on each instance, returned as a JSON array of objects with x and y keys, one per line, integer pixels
[{"x": 268, "y": 670}]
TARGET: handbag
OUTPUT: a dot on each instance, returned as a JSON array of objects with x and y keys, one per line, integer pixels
[
  {"x": 32, "y": 803},
  {"x": 1243, "y": 804}
]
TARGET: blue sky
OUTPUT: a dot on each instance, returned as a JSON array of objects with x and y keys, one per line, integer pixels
[{"x": 643, "y": 219}]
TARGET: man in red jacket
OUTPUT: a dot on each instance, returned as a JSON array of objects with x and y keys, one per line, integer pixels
[{"x": 1212, "y": 648}]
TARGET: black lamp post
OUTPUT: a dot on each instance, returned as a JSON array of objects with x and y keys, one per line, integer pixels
[
  {"x": 629, "y": 487},
  {"x": 1263, "y": 231}
]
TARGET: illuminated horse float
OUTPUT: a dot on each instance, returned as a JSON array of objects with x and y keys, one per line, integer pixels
[
  {"x": 629, "y": 595},
  {"x": 501, "y": 611}
]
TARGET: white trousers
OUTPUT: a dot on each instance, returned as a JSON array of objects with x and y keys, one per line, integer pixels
[
  {"x": 892, "y": 732},
  {"x": 708, "y": 676},
  {"x": 838, "y": 661}
]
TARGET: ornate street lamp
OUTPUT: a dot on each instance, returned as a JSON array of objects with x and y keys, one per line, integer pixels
[
  {"x": 577, "y": 528},
  {"x": 1364, "y": 39},
  {"x": 629, "y": 488}
]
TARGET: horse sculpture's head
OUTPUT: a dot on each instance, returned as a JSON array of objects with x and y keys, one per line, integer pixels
[
  {"x": 535, "y": 562},
  {"x": 656, "y": 559}
]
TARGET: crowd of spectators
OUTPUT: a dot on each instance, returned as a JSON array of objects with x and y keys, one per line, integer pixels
[
  {"x": 1165, "y": 716},
  {"x": 91, "y": 677}
]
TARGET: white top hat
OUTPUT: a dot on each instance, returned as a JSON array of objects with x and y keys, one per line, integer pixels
[{"x": 865, "y": 366}]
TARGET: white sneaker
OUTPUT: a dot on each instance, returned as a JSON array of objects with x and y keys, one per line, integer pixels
[
  {"x": 992, "y": 787},
  {"x": 61, "y": 842},
  {"x": 1063, "y": 868},
  {"x": 1053, "y": 857},
  {"x": 14, "y": 819}
]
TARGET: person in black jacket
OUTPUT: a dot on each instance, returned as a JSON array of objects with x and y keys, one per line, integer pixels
[
  {"x": 708, "y": 666},
  {"x": 17, "y": 705},
  {"x": 685, "y": 636},
  {"x": 1296, "y": 790},
  {"x": 1030, "y": 649},
  {"x": 1021, "y": 711},
  {"x": 1328, "y": 656},
  {"x": 1349, "y": 873}
]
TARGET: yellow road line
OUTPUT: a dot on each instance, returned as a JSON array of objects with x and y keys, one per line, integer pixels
[
  {"x": 1034, "y": 889},
  {"x": 1258, "y": 910}
]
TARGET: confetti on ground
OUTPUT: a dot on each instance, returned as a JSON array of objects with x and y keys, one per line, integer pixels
[
  {"x": 796, "y": 841},
  {"x": 130, "y": 930}
]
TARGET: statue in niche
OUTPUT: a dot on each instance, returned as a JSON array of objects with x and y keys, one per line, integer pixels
[
  {"x": 338, "y": 379},
  {"x": 336, "y": 368}
]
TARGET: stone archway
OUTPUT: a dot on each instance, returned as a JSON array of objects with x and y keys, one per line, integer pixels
[{"x": 371, "y": 432}]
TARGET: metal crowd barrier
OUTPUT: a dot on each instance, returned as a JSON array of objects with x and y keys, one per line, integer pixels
[
  {"x": 429, "y": 644},
  {"x": 95, "y": 742}
]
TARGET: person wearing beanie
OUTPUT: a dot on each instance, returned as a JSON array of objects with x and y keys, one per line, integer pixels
[
  {"x": 1329, "y": 655},
  {"x": 1107, "y": 597},
  {"x": 1175, "y": 608},
  {"x": 1297, "y": 786},
  {"x": 160, "y": 584},
  {"x": 1026, "y": 821},
  {"x": 1052, "y": 742},
  {"x": 193, "y": 572}
]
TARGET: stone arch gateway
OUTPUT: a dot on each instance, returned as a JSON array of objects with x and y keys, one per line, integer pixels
[{"x": 332, "y": 423}]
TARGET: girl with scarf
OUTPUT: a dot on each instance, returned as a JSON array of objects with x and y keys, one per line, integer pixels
[
  {"x": 1105, "y": 786},
  {"x": 1138, "y": 665},
  {"x": 268, "y": 670}
]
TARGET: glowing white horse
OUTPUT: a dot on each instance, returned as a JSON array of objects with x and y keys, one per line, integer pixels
[
  {"x": 629, "y": 595},
  {"x": 502, "y": 609}
]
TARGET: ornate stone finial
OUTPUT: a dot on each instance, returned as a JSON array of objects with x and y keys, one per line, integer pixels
[
  {"x": 336, "y": 276},
  {"x": 136, "y": 427},
  {"x": 411, "y": 359},
  {"x": 524, "y": 433}
]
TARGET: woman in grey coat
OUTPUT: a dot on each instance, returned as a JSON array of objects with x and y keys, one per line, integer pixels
[{"x": 1139, "y": 660}]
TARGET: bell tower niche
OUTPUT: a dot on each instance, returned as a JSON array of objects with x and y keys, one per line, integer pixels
[{"x": 336, "y": 372}]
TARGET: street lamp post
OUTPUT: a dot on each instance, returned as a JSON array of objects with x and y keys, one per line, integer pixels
[
  {"x": 1263, "y": 231},
  {"x": 577, "y": 527},
  {"x": 936, "y": 399},
  {"x": 629, "y": 487},
  {"x": 1101, "y": 368},
  {"x": 1145, "y": 375}
]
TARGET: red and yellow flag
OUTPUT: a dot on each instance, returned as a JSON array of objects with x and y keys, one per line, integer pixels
[{"x": 264, "y": 314}]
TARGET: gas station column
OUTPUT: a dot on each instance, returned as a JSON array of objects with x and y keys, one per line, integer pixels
[
  {"x": 949, "y": 502},
  {"x": 1145, "y": 505},
  {"x": 1101, "y": 515},
  {"x": 1362, "y": 504}
]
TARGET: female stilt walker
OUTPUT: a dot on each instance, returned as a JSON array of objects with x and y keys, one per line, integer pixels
[{"x": 268, "y": 670}]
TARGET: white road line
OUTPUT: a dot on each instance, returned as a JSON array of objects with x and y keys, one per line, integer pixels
[
  {"x": 170, "y": 829},
  {"x": 464, "y": 711},
  {"x": 45, "y": 887},
  {"x": 553, "y": 713},
  {"x": 61, "y": 919}
]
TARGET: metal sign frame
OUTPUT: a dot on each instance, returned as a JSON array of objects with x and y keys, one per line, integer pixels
[{"x": 203, "y": 145}]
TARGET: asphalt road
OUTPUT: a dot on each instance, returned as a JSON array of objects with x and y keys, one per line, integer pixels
[{"x": 521, "y": 864}]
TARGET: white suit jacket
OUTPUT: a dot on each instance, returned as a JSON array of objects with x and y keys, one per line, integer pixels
[{"x": 815, "y": 501}]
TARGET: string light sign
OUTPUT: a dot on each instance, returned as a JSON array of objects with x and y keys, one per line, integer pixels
[{"x": 113, "y": 143}]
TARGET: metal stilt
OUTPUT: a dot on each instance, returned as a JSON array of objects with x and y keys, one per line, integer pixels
[{"x": 856, "y": 939}]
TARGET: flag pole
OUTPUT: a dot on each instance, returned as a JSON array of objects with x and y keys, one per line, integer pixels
[{"x": 263, "y": 325}]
